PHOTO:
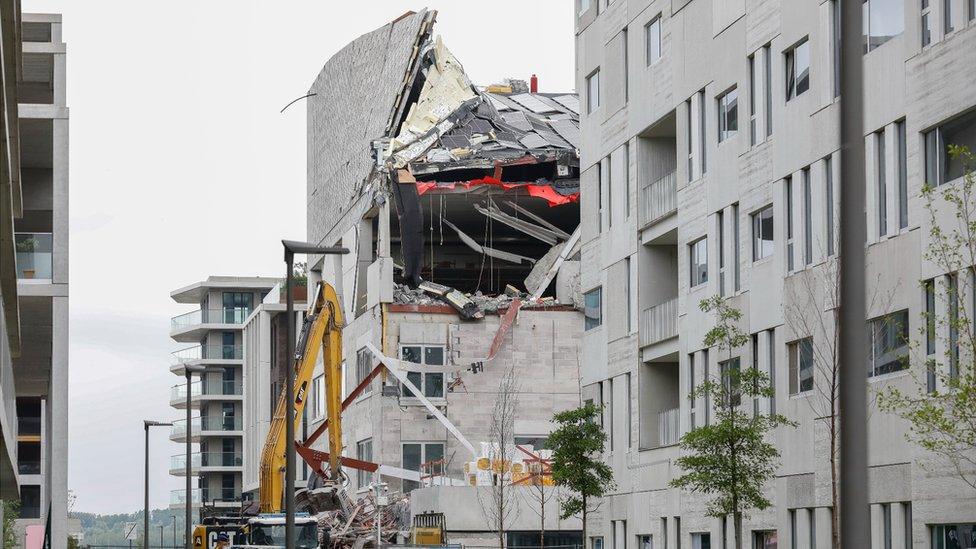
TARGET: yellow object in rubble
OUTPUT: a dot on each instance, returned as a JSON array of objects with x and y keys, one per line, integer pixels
[{"x": 484, "y": 464}]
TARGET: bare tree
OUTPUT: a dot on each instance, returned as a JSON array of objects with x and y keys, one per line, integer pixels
[
  {"x": 499, "y": 508},
  {"x": 538, "y": 494},
  {"x": 813, "y": 311}
]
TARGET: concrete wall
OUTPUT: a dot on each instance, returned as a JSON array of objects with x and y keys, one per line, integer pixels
[{"x": 706, "y": 47}]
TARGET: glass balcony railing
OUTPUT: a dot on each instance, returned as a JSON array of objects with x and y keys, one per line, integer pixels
[
  {"x": 206, "y": 423},
  {"x": 208, "y": 352},
  {"x": 34, "y": 253},
  {"x": 178, "y": 392},
  {"x": 178, "y": 497},
  {"x": 235, "y": 315},
  {"x": 205, "y": 387},
  {"x": 206, "y": 459}
]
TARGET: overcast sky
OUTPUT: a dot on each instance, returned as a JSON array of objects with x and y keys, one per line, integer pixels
[{"x": 182, "y": 167}]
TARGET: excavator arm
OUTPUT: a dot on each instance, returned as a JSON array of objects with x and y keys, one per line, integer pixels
[{"x": 322, "y": 329}]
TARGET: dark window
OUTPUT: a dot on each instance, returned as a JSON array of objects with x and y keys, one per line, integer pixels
[
  {"x": 798, "y": 69},
  {"x": 879, "y": 139},
  {"x": 953, "y": 536},
  {"x": 432, "y": 383},
  {"x": 807, "y": 218},
  {"x": 728, "y": 114},
  {"x": 762, "y": 233},
  {"x": 730, "y": 380},
  {"x": 593, "y": 308},
  {"x": 418, "y": 454},
  {"x": 735, "y": 246},
  {"x": 29, "y": 458},
  {"x": 364, "y": 452},
  {"x": 702, "y": 131},
  {"x": 902, "y": 174},
  {"x": 947, "y": 16},
  {"x": 228, "y": 350},
  {"x": 768, "y": 57},
  {"x": 929, "y": 287},
  {"x": 829, "y": 199},
  {"x": 364, "y": 365},
  {"x": 953, "y": 283},
  {"x": 701, "y": 541},
  {"x": 801, "y": 366},
  {"x": 30, "y": 501},
  {"x": 889, "y": 343},
  {"x": 765, "y": 540},
  {"x": 698, "y": 254},
  {"x": 753, "y": 101},
  {"x": 237, "y": 305},
  {"x": 926, "y": 24},
  {"x": 939, "y": 166},
  {"x": 789, "y": 223}
]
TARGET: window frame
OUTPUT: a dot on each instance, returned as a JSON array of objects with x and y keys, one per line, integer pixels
[
  {"x": 425, "y": 385},
  {"x": 885, "y": 322},
  {"x": 364, "y": 478},
  {"x": 361, "y": 372},
  {"x": 424, "y": 458},
  {"x": 759, "y": 248},
  {"x": 649, "y": 40},
  {"x": 728, "y": 114},
  {"x": 724, "y": 367},
  {"x": 698, "y": 277},
  {"x": 795, "y": 79},
  {"x": 593, "y": 100},
  {"x": 587, "y": 323},
  {"x": 796, "y": 352}
]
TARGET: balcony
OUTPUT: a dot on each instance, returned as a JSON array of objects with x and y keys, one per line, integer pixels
[
  {"x": 204, "y": 390},
  {"x": 205, "y": 354},
  {"x": 658, "y": 199},
  {"x": 206, "y": 462},
  {"x": 206, "y": 426},
  {"x": 226, "y": 497},
  {"x": 194, "y": 325},
  {"x": 34, "y": 256},
  {"x": 659, "y": 323}
]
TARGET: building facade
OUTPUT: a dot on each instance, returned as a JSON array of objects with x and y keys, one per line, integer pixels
[
  {"x": 710, "y": 166},
  {"x": 215, "y": 331}
]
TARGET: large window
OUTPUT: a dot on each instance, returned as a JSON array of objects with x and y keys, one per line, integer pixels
[
  {"x": 829, "y": 200},
  {"x": 879, "y": 139},
  {"x": 789, "y": 224},
  {"x": 882, "y": 20},
  {"x": 765, "y": 539},
  {"x": 701, "y": 541},
  {"x": 798, "y": 69},
  {"x": 801, "y": 366},
  {"x": 593, "y": 308},
  {"x": 729, "y": 370},
  {"x": 768, "y": 87},
  {"x": 652, "y": 35},
  {"x": 698, "y": 254},
  {"x": 364, "y": 452},
  {"x": 431, "y": 383},
  {"x": 237, "y": 306},
  {"x": 939, "y": 166},
  {"x": 364, "y": 365},
  {"x": 902, "y": 174},
  {"x": 947, "y": 16},
  {"x": 889, "y": 343},
  {"x": 953, "y": 536},
  {"x": 728, "y": 114},
  {"x": 926, "y": 23},
  {"x": 415, "y": 454},
  {"x": 735, "y": 247},
  {"x": 593, "y": 91},
  {"x": 807, "y": 218},
  {"x": 762, "y": 233}
]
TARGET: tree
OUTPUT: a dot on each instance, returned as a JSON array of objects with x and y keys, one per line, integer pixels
[
  {"x": 539, "y": 494},
  {"x": 11, "y": 511},
  {"x": 577, "y": 465},
  {"x": 942, "y": 411},
  {"x": 730, "y": 457},
  {"x": 500, "y": 508}
]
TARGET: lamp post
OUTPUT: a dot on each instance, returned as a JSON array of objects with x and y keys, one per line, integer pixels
[
  {"x": 145, "y": 518},
  {"x": 173, "y": 516},
  {"x": 188, "y": 371},
  {"x": 291, "y": 248},
  {"x": 160, "y": 535}
]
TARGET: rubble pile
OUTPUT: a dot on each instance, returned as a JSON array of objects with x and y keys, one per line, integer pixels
[
  {"x": 353, "y": 524},
  {"x": 485, "y": 303}
]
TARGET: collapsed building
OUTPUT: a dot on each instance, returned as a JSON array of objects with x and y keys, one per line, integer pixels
[{"x": 459, "y": 205}]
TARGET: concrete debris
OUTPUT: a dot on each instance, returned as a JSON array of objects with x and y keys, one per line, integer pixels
[
  {"x": 465, "y": 307},
  {"x": 354, "y": 523},
  {"x": 484, "y": 303}
]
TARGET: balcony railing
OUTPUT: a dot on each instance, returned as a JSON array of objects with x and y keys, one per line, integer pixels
[
  {"x": 178, "y": 497},
  {"x": 206, "y": 388},
  {"x": 206, "y": 459},
  {"x": 207, "y": 352},
  {"x": 659, "y": 322},
  {"x": 668, "y": 428},
  {"x": 178, "y": 392},
  {"x": 206, "y": 423},
  {"x": 34, "y": 252},
  {"x": 221, "y": 494},
  {"x": 235, "y": 315},
  {"x": 659, "y": 198}
]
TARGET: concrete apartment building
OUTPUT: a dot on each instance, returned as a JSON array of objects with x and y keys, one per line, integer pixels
[
  {"x": 215, "y": 331},
  {"x": 710, "y": 166},
  {"x": 34, "y": 273}
]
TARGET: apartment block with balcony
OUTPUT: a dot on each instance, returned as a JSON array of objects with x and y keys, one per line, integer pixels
[
  {"x": 710, "y": 166},
  {"x": 211, "y": 336}
]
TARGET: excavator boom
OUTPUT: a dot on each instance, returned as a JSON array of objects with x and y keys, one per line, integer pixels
[{"x": 322, "y": 329}]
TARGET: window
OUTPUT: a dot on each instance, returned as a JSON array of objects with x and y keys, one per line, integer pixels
[
  {"x": 886, "y": 525},
  {"x": 236, "y": 305},
  {"x": 753, "y": 118},
  {"x": 735, "y": 247},
  {"x": 907, "y": 521},
  {"x": 608, "y": 162},
  {"x": 972, "y": 10},
  {"x": 926, "y": 23},
  {"x": 677, "y": 532},
  {"x": 584, "y": 6},
  {"x": 701, "y": 541},
  {"x": 812, "y": 525},
  {"x": 415, "y": 454},
  {"x": 228, "y": 348},
  {"x": 728, "y": 114},
  {"x": 789, "y": 223},
  {"x": 947, "y": 16},
  {"x": 720, "y": 226},
  {"x": 537, "y": 442},
  {"x": 701, "y": 131},
  {"x": 889, "y": 344},
  {"x": 929, "y": 288},
  {"x": 599, "y": 196},
  {"x": 793, "y": 536},
  {"x": 771, "y": 349},
  {"x": 764, "y": 539},
  {"x": 755, "y": 367},
  {"x": 706, "y": 376},
  {"x": 627, "y": 294},
  {"x": 801, "y": 366},
  {"x": 902, "y": 174},
  {"x": 953, "y": 288},
  {"x": 691, "y": 388},
  {"x": 829, "y": 199},
  {"x": 593, "y": 91},
  {"x": 624, "y": 64},
  {"x": 432, "y": 384},
  {"x": 630, "y": 410},
  {"x": 882, "y": 21},
  {"x": 729, "y": 371},
  {"x": 953, "y": 536},
  {"x": 593, "y": 308},
  {"x": 30, "y": 501},
  {"x": 619, "y": 530},
  {"x": 691, "y": 148},
  {"x": 664, "y": 531},
  {"x": 626, "y": 179},
  {"x": 317, "y": 399},
  {"x": 698, "y": 252},
  {"x": 879, "y": 139},
  {"x": 596, "y": 542},
  {"x": 762, "y": 233},
  {"x": 645, "y": 542},
  {"x": 807, "y": 218},
  {"x": 835, "y": 43},
  {"x": 364, "y": 452},
  {"x": 364, "y": 365},
  {"x": 768, "y": 87},
  {"x": 652, "y": 35},
  {"x": 939, "y": 166},
  {"x": 798, "y": 69}
]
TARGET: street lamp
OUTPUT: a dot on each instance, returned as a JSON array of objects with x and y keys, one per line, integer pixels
[
  {"x": 173, "y": 516},
  {"x": 145, "y": 518},
  {"x": 291, "y": 248},
  {"x": 188, "y": 371}
]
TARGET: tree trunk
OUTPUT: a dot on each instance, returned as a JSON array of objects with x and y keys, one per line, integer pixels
[
  {"x": 542, "y": 515},
  {"x": 835, "y": 504},
  {"x": 737, "y": 529},
  {"x": 583, "y": 546}
]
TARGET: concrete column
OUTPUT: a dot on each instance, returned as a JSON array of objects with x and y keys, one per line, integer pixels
[
  {"x": 823, "y": 527},
  {"x": 897, "y": 526},
  {"x": 383, "y": 247},
  {"x": 877, "y": 527},
  {"x": 802, "y": 529}
]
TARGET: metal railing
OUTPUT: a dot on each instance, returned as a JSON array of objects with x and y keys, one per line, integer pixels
[
  {"x": 207, "y": 352},
  {"x": 34, "y": 255},
  {"x": 669, "y": 426},
  {"x": 659, "y": 322},
  {"x": 206, "y": 388},
  {"x": 206, "y": 423},
  {"x": 659, "y": 198},
  {"x": 235, "y": 315},
  {"x": 206, "y": 459}
]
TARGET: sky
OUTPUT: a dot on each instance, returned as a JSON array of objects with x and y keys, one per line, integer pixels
[{"x": 182, "y": 167}]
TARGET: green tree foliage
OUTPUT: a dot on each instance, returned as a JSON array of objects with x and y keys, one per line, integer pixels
[
  {"x": 11, "y": 510},
  {"x": 941, "y": 411},
  {"x": 577, "y": 465},
  {"x": 730, "y": 458},
  {"x": 108, "y": 529}
]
